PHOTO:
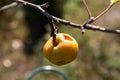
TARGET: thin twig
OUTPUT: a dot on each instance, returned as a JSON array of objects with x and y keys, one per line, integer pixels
[
  {"x": 101, "y": 14},
  {"x": 45, "y": 5},
  {"x": 87, "y": 8},
  {"x": 89, "y": 14}
]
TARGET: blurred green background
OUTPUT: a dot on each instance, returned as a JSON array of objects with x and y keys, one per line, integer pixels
[{"x": 22, "y": 40}]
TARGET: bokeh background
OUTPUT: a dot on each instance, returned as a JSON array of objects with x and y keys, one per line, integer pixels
[{"x": 24, "y": 31}]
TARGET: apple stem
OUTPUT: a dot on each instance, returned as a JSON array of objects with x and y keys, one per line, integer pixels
[{"x": 53, "y": 31}]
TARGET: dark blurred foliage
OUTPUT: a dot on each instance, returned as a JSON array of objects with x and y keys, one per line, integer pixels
[
  {"x": 36, "y": 22},
  {"x": 4, "y": 2}
]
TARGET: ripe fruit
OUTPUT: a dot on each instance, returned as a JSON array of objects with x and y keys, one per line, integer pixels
[{"x": 65, "y": 50}]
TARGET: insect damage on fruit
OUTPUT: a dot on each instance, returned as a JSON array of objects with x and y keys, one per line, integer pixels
[{"x": 64, "y": 52}]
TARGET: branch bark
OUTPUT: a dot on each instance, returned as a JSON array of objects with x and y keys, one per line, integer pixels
[
  {"x": 8, "y": 6},
  {"x": 58, "y": 20}
]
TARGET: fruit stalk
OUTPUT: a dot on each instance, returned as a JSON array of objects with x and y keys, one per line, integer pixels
[{"x": 53, "y": 31}]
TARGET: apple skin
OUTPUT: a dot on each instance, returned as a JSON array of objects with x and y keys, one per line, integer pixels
[{"x": 64, "y": 52}]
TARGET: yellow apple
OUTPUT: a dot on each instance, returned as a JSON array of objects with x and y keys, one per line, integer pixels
[{"x": 65, "y": 50}]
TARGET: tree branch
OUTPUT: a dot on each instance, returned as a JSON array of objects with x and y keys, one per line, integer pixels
[
  {"x": 8, "y": 6},
  {"x": 102, "y": 29},
  {"x": 14, "y": 4},
  {"x": 62, "y": 21}
]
